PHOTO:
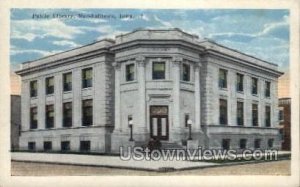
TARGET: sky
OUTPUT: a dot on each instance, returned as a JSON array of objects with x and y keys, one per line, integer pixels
[{"x": 36, "y": 33}]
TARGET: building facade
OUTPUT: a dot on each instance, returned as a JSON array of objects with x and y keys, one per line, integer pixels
[
  {"x": 15, "y": 121},
  {"x": 285, "y": 122},
  {"x": 164, "y": 84}
]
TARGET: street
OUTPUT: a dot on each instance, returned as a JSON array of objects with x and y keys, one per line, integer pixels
[{"x": 40, "y": 169}]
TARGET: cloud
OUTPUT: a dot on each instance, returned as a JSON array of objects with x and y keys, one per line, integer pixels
[
  {"x": 162, "y": 22},
  {"x": 32, "y": 51},
  {"x": 31, "y": 29},
  {"x": 274, "y": 25},
  {"x": 65, "y": 43}
]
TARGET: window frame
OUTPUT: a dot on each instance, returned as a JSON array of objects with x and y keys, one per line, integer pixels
[
  {"x": 186, "y": 76},
  {"x": 239, "y": 83},
  {"x": 49, "y": 144},
  {"x": 66, "y": 118},
  {"x": 128, "y": 67},
  {"x": 268, "y": 116},
  {"x": 33, "y": 123},
  {"x": 87, "y": 83},
  {"x": 267, "y": 89},
  {"x": 238, "y": 112},
  {"x": 62, "y": 146},
  {"x": 257, "y": 143},
  {"x": 254, "y": 87},
  {"x": 87, "y": 120},
  {"x": 227, "y": 140},
  {"x": 31, "y": 146},
  {"x": 223, "y": 120},
  {"x": 49, "y": 121},
  {"x": 81, "y": 146},
  {"x": 154, "y": 73},
  {"x": 67, "y": 86},
  {"x": 33, "y": 91},
  {"x": 243, "y": 143},
  {"x": 255, "y": 123},
  {"x": 223, "y": 82},
  {"x": 49, "y": 88}
]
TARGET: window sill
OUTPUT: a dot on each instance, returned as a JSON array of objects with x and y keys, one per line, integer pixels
[
  {"x": 88, "y": 88},
  {"x": 50, "y": 95},
  {"x": 240, "y": 92},
  {"x": 255, "y": 95},
  {"x": 35, "y": 97},
  {"x": 67, "y": 92},
  {"x": 223, "y": 89}
]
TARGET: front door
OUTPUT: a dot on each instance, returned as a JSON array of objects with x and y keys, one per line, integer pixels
[{"x": 159, "y": 126}]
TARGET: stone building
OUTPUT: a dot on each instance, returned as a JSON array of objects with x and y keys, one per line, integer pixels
[
  {"x": 161, "y": 82},
  {"x": 285, "y": 122},
  {"x": 15, "y": 121}
]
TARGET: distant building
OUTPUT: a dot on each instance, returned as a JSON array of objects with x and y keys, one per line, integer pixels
[
  {"x": 285, "y": 122},
  {"x": 161, "y": 81},
  {"x": 15, "y": 121}
]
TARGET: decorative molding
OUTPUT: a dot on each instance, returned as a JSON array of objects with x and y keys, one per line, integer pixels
[
  {"x": 141, "y": 61},
  {"x": 116, "y": 65}
]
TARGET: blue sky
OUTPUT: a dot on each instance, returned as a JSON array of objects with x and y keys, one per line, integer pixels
[{"x": 261, "y": 33}]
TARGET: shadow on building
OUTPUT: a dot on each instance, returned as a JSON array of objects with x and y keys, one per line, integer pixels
[
  {"x": 285, "y": 122},
  {"x": 15, "y": 121}
]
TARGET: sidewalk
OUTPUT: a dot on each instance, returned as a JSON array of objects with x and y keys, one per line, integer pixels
[{"x": 108, "y": 161}]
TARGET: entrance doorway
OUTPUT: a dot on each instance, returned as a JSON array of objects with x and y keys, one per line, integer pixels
[{"x": 159, "y": 126}]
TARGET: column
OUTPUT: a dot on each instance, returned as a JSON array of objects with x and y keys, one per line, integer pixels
[
  {"x": 99, "y": 104},
  {"x": 176, "y": 93},
  {"x": 41, "y": 103},
  {"x": 118, "y": 127},
  {"x": 76, "y": 85},
  {"x": 197, "y": 125},
  {"x": 142, "y": 94},
  {"x": 58, "y": 100}
]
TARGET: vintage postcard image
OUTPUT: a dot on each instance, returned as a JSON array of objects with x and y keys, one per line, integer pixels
[{"x": 150, "y": 92}]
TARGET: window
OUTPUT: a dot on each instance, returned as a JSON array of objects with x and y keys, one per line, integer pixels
[
  {"x": 267, "y": 89},
  {"x": 268, "y": 116},
  {"x": 67, "y": 114},
  {"x": 223, "y": 111},
  {"x": 257, "y": 143},
  {"x": 243, "y": 143},
  {"x": 33, "y": 118},
  {"x": 130, "y": 72},
  {"x": 239, "y": 82},
  {"x": 33, "y": 88},
  {"x": 226, "y": 144},
  {"x": 222, "y": 78},
  {"x": 186, "y": 118},
  {"x": 270, "y": 143},
  {"x": 47, "y": 146},
  {"x": 87, "y": 78},
  {"x": 49, "y": 116},
  {"x": 240, "y": 113},
  {"x": 67, "y": 85},
  {"x": 254, "y": 115},
  {"x": 254, "y": 85},
  {"x": 158, "y": 70},
  {"x": 185, "y": 72},
  {"x": 31, "y": 146},
  {"x": 49, "y": 85},
  {"x": 85, "y": 145},
  {"x": 65, "y": 145},
  {"x": 87, "y": 112},
  {"x": 281, "y": 114}
]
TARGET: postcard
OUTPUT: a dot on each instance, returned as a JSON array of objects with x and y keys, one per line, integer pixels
[{"x": 106, "y": 94}]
